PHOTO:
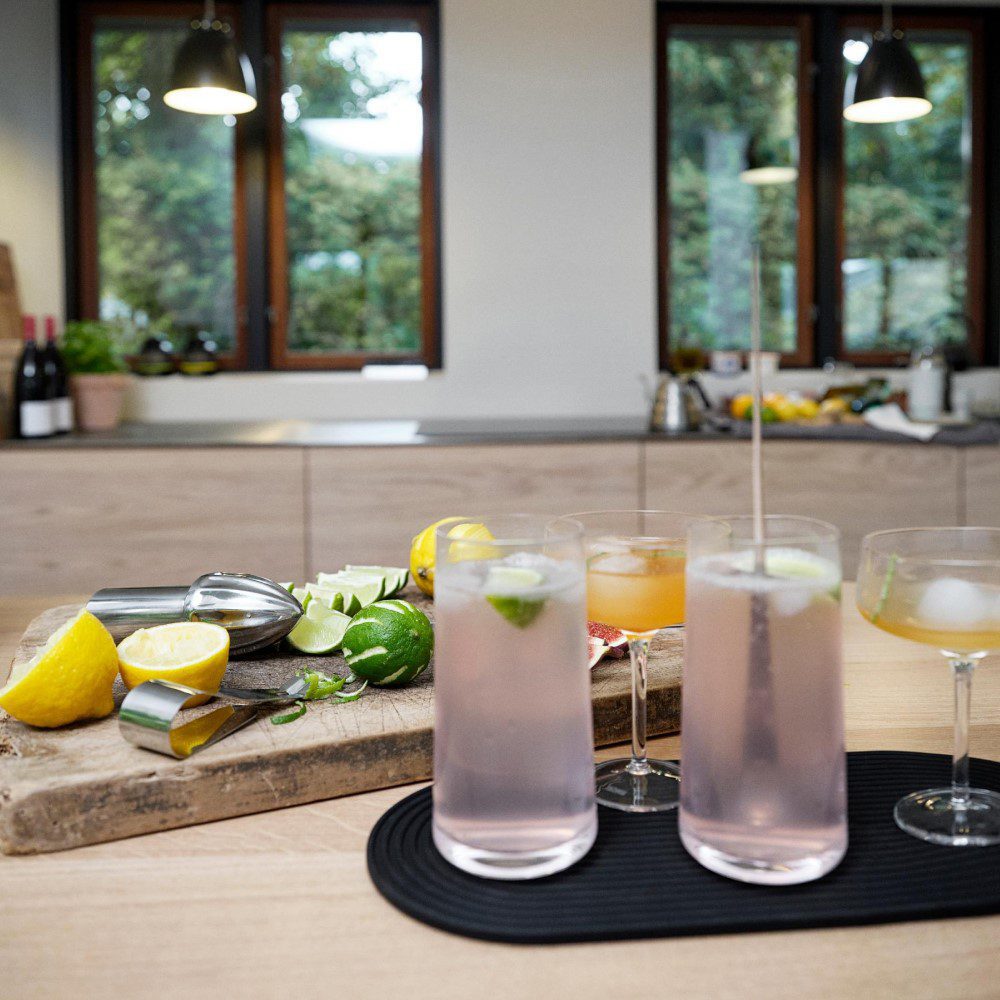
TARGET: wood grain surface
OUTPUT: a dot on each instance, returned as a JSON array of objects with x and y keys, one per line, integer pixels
[
  {"x": 982, "y": 487},
  {"x": 148, "y": 517},
  {"x": 857, "y": 487},
  {"x": 84, "y": 784},
  {"x": 280, "y": 904},
  {"x": 365, "y": 505}
]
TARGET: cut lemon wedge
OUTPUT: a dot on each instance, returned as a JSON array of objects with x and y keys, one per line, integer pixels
[
  {"x": 191, "y": 653},
  {"x": 69, "y": 678}
]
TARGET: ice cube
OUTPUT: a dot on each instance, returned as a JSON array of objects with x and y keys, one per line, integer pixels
[
  {"x": 791, "y": 600},
  {"x": 618, "y": 563},
  {"x": 951, "y": 603}
]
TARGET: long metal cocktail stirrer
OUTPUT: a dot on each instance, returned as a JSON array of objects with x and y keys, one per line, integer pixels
[{"x": 760, "y": 743}]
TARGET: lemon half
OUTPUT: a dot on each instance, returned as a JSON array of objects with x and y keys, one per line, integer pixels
[
  {"x": 191, "y": 653},
  {"x": 69, "y": 678}
]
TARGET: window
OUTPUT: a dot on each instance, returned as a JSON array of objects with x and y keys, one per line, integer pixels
[
  {"x": 746, "y": 133},
  {"x": 734, "y": 179},
  {"x": 907, "y": 209},
  {"x": 160, "y": 189},
  {"x": 169, "y": 218},
  {"x": 348, "y": 279}
]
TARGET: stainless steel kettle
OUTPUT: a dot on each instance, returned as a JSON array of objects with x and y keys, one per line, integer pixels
[{"x": 677, "y": 403}]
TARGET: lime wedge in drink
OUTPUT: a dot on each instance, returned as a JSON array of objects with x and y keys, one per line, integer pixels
[
  {"x": 319, "y": 631},
  {"x": 505, "y": 586}
]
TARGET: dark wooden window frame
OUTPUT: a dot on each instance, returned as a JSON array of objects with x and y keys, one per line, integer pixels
[
  {"x": 261, "y": 290},
  {"x": 85, "y": 229},
  {"x": 388, "y": 17},
  {"x": 667, "y": 18},
  {"x": 821, "y": 184},
  {"x": 975, "y": 256}
]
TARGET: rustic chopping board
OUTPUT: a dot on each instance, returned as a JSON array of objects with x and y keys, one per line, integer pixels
[{"x": 84, "y": 784}]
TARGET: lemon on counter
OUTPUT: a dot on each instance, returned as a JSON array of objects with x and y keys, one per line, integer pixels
[
  {"x": 422, "y": 549},
  {"x": 68, "y": 679},
  {"x": 740, "y": 406},
  {"x": 808, "y": 409},
  {"x": 191, "y": 653}
]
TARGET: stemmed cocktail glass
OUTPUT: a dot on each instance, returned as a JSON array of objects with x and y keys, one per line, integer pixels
[
  {"x": 941, "y": 587},
  {"x": 635, "y": 583}
]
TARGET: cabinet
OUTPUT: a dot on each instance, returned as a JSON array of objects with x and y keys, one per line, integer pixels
[
  {"x": 857, "y": 487},
  {"x": 982, "y": 486},
  {"x": 366, "y": 504},
  {"x": 76, "y": 520}
]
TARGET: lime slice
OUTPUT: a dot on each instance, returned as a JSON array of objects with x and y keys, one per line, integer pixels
[
  {"x": 395, "y": 576},
  {"x": 367, "y": 588},
  {"x": 302, "y": 596},
  {"x": 505, "y": 586},
  {"x": 319, "y": 631}
]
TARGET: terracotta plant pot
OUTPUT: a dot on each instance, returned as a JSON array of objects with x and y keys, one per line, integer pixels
[{"x": 98, "y": 400}]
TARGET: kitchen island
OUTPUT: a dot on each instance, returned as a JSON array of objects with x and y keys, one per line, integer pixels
[
  {"x": 280, "y": 904},
  {"x": 162, "y": 503}
]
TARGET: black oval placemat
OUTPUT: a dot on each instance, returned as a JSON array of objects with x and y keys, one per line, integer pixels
[{"x": 638, "y": 881}]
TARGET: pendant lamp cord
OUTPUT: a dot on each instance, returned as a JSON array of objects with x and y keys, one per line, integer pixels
[
  {"x": 887, "y": 20},
  {"x": 210, "y": 11}
]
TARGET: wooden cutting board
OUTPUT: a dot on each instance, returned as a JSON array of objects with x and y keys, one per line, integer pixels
[{"x": 84, "y": 784}]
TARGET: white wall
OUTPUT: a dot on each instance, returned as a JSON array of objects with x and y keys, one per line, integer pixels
[
  {"x": 30, "y": 162},
  {"x": 548, "y": 219}
]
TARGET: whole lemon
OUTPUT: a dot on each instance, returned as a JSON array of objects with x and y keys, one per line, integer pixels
[
  {"x": 740, "y": 406},
  {"x": 423, "y": 548},
  {"x": 808, "y": 409}
]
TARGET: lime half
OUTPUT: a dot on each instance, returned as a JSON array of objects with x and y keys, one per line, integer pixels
[{"x": 505, "y": 586}]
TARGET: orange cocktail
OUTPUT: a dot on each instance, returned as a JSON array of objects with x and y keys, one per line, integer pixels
[
  {"x": 635, "y": 583},
  {"x": 638, "y": 590}
]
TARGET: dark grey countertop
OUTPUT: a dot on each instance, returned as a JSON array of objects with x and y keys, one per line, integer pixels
[{"x": 369, "y": 433}]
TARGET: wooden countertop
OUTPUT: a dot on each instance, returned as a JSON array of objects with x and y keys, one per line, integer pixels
[{"x": 280, "y": 904}]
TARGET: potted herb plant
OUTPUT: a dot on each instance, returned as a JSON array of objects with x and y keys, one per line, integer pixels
[{"x": 94, "y": 356}]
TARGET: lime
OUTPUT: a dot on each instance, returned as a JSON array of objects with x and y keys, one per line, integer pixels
[
  {"x": 505, "y": 586},
  {"x": 389, "y": 642},
  {"x": 319, "y": 631}
]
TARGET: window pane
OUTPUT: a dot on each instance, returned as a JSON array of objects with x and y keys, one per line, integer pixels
[
  {"x": 906, "y": 208},
  {"x": 164, "y": 182},
  {"x": 353, "y": 130},
  {"x": 733, "y": 106}
]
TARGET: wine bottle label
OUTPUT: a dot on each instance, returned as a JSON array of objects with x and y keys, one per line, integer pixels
[
  {"x": 64, "y": 414},
  {"x": 37, "y": 419}
]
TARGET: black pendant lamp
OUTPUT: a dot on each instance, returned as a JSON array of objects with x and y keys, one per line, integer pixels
[
  {"x": 888, "y": 85},
  {"x": 210, "y": 76},
  {"x": 766, "y": 165}
]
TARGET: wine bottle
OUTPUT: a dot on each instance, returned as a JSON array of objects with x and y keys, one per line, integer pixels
[
  {"x": 55, "y": 379},
  {"x": 33, "y": 413}
]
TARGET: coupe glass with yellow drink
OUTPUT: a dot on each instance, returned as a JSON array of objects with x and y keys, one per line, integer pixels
[
  {"x": 941, "y": 587},
  {"x": 635, "y": 583}
]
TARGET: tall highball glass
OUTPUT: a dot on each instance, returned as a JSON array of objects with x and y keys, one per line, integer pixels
[
  {"x": 513, "y": 732},
  {"x": 763, "y": 789}
]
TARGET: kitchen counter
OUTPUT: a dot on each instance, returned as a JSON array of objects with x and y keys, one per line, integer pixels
[
  {"x": 376, "y": 433},
  {"x": 235, "y": 907}
]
